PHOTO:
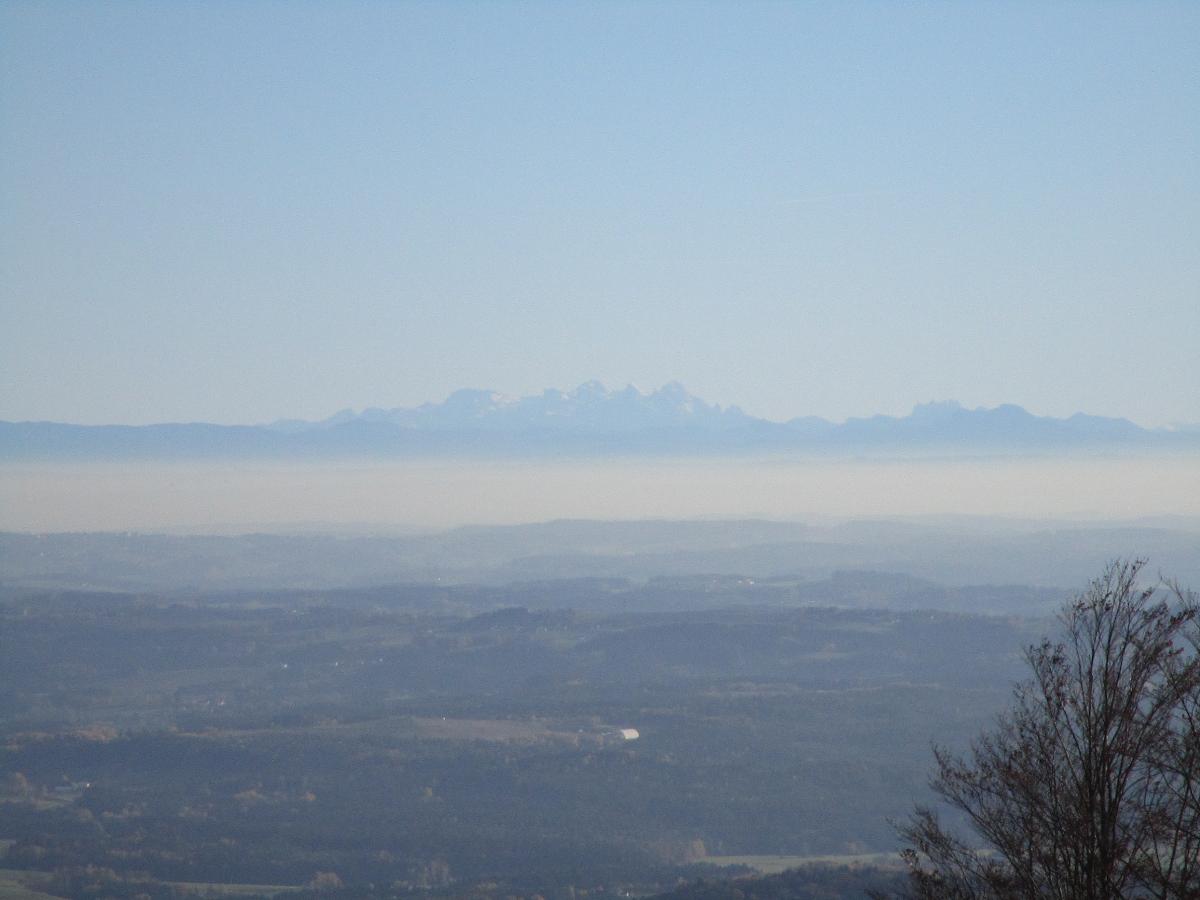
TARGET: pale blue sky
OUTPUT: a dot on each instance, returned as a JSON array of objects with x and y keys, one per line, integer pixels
[{"x": 240, "y": 211}]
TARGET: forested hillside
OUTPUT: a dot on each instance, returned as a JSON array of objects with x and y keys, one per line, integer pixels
[{"x": 411, "y": 739}]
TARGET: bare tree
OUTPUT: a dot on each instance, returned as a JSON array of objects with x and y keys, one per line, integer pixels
[{"x": 1088, "y": 788}]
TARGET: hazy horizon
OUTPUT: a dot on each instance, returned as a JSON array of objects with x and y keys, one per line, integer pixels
[{"x": 432, "y": 495}]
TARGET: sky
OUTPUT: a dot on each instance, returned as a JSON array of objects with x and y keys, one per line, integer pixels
[{"x": 237, "y": 212}]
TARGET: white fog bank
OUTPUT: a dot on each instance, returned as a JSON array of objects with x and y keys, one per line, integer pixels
[{"x": 425, "y": 495}]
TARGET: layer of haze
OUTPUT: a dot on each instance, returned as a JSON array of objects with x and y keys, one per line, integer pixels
[
  {"x": 235, "y": 212},
  {"x": 245, "y": 497}
]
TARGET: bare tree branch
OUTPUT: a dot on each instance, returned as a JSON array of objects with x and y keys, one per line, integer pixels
[{"x": 1088, "y": 787}]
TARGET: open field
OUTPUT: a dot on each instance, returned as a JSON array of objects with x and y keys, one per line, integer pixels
[
  {"x": 22, "y": 884},
  {"x": 16, "y": 884},
  {"x": 217, "y": 889},
  {"x": 773, "y": 865}
]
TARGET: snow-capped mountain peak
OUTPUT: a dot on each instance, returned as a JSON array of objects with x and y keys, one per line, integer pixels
[{"x": 590, "y": 407}]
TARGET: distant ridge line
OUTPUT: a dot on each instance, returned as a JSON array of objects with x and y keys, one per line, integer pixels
[{"x": 588, "y": 421}]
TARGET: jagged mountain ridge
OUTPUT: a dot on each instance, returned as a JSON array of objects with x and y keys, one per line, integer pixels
[
  {"x": 591, "y": 420},
  {"x": 591, "y": 407}
]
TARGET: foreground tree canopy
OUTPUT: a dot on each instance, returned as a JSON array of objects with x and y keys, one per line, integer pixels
[{"x": 1089, "y": 786}]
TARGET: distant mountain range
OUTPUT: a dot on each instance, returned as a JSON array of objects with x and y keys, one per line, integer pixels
[{"x": 589, "y": 421}]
